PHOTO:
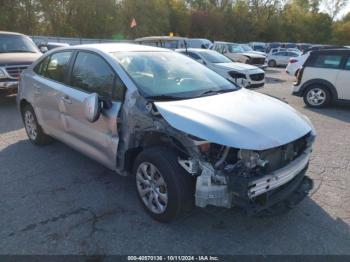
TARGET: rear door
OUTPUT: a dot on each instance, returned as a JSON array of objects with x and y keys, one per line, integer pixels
[
  {"x": 48, "y": 81},
  {"x": 90, "y": 73},
  {"x": 343, "y": 81}
]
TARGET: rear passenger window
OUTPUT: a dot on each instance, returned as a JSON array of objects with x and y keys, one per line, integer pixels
[
  {"x": 347, "y": 65},
  {"x": 57, "y": 66},
  {"x": 327, "y": 61},
  {"x": 93, "y": 75}
]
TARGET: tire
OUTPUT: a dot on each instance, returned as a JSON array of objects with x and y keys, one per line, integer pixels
[
  {"x": 272, "y": 63},
  {"x": 317, "y": 96},
  {"x": 174, "y": 194},
  {"x": 34, "y": 131}
]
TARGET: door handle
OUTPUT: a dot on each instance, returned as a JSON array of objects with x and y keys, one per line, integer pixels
[{"x": 66, "y": 100}]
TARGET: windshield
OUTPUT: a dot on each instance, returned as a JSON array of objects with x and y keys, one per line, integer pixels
[
  {"x": 215, "y": 57},
  {"x": 16, "y": 43},
  {"x": 171, "y": 75},
  {"x": 234, "y": 48},
  {"x": 246, "y": 48}
]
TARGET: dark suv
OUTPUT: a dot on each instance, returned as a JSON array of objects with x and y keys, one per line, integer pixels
[{"x": 17, "y": 52}]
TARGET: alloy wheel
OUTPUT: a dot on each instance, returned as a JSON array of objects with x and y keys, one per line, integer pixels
[
  {"x": 152, "y": 188},
  {"x": 30, "y": 125},
  {"x": 316, "y": 96}
]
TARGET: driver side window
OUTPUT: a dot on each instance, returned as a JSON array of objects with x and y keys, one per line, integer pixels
[{"x": 92, "y": 74}]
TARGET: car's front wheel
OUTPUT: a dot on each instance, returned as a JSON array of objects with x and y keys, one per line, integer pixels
[
  {"x": 272, "y": 63},
  {"x": 165, "y": 190},
  {"x": 317, "y": 96},
  {"x": 34, "y": 131}
]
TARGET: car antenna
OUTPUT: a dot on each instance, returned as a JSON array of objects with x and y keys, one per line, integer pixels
[{"x": 185, "y": 43}]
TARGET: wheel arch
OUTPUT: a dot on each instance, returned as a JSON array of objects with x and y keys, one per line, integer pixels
[
  {"x": 330, "y": 87},
  {"x": 152, "y": 139}
]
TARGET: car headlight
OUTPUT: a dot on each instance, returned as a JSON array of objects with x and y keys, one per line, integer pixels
[{"x": 2, "y": 73}]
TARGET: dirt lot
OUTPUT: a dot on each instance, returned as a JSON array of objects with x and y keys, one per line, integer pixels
[{"x": 56, "y": 201}]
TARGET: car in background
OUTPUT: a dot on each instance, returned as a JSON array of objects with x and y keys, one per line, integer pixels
[
  {"x": 44, "y": 47},
  {"x": 174, "y": 42},
  {"x": 247, "y": 76},
  {"x": 303, "y": 46},
  {"x": 280, "y": 49},
  {"x": 270, "y": 46},
  {"x": 188, "y": 136},
  {"x": 17, "y": 52},
  {"x": 236, "y": 53},
  {"x": 280, "y": 58},
  {"x": 248, "y": 48},
  {"x": 296, "y": 63},
  {"x": 258, "y": 46},
  {"x": 324, "y": 78}
]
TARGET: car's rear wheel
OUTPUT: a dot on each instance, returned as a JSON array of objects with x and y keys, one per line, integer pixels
[
  {"x": 272, "y": 63},
  {"x": 317, "y": 96},
  {"x": 165, "y": 190},
  {"x": 34, "y": 131}
]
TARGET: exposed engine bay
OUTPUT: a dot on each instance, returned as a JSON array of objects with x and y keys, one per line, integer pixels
[{"x": 230, "y": 177}]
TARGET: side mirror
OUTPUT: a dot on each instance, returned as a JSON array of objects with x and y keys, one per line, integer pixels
[
  {"x": 43, "y": 49},
  {"x": 92, "y": 107}
]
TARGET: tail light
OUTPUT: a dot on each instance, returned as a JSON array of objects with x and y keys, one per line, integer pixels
[{"x": 292, "y": 60}]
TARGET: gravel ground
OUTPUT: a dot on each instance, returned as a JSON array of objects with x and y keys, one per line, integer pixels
[{"x": 56, "y": 201}]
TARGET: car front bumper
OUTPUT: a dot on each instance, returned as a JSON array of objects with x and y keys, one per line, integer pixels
[
  {"x": 287, "y": 186},
  {"x": 8, "y": 84}
]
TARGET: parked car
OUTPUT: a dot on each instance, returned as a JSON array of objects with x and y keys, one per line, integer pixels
[
  {"x": 237, "y": 54},
  {"x": 269, "y": 46},
  {"x": 245, "y": 75},
  {"x": 248, "y": 48},
  {"x": 17, "y": 52},
  {"x": 44, "y": 47},
  {"x": 280, "y": 58},
  {"x": 323, "y": 47},
  {"x": 280, "y": 49},
  {"x": 258, "y": 46},
  {"x": 324, "y": 78},
  {"x": 174, "y": 42},
  {"x": 188, "y": 135},
  {"x": 296, "y": 63}
]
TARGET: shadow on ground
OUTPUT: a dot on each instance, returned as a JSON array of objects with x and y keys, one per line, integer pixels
[
  {"x": 60, "y": 202},
  {"x": 9, "y": 113},
  {"x": 340, "y": 112}
]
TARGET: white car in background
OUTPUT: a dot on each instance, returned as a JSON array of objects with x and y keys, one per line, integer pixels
[
  {"x": 245, "y": 75},
  {"x": 280, "y": 58},
  {"x": 296, "y": 63}
]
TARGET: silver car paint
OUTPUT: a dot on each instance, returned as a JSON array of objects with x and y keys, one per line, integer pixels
[{"x": 240, "y": 119}]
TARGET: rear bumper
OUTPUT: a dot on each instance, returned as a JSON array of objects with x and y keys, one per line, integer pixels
[{"x": 8, "y": 84}]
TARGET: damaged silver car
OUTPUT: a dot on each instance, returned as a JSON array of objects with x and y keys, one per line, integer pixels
[{"x": 189, "y": 136}]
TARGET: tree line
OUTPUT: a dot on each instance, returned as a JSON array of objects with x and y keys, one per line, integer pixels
[{"x": 227, "y": 20}]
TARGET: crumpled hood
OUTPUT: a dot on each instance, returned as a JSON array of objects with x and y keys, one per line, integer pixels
[
  {"x": 235, "y": 66},
  {"x": 7, "y": 59},
  {"x": 241, "y": 119},
  {"x": 254, "y": 55}
]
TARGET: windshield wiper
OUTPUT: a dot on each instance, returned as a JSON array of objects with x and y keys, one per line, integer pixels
[
  {"x": 215, "y": 92},
  {"x": 164, "y": 97}
]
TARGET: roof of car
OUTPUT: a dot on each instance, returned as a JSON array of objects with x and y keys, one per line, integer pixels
[
  {"x": 194, "y": 50},
  {"x": 159, "y": 38},
  {"x": 222, "y": 42},
  {"x": 336, "y": 50},
  {"x": 120, "y": 47},
  {"x": 9, "y": 33}
]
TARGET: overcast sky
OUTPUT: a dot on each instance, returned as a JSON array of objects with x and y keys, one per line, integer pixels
[{"x": 343, "y": 12}]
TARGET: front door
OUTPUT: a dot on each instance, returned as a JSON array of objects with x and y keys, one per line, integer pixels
[{"x": 99, "y": 140}]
